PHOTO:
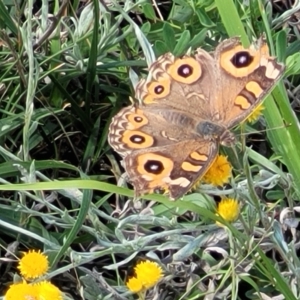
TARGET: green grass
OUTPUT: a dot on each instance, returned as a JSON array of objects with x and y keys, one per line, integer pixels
[{"x": 62, "y": 187}]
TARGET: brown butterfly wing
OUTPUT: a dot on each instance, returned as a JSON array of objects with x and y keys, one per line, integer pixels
[
  {"x": 244, "y": 77},
  {"x": 171, "y": 168},
  {"x": 181, "y": 84},
  {"x": 135, "y": 128}
]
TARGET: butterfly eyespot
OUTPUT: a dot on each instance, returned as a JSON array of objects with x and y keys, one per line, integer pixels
[
  {"x": 154, "y": 166},
  {"x": 159, "y": 89},
  {"x": 242, "y": 59},
  {"x": 185, "y": 71},
  {"x": 138, "y": 119},
  {"x": 137, "y": 139}
]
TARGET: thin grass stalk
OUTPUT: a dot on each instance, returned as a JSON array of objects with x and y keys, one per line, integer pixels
[{"x": 31, "y": 83}]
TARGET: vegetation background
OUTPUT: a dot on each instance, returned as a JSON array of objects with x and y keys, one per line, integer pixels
[{"x": 66, "y": 68}]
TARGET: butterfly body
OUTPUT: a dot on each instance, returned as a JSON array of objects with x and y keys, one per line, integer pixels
[{"x": 188, "y": 105}]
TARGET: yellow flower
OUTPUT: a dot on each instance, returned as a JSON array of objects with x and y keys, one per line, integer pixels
[
  {"x": 228, "y": 209},
  {"x": 147, "y": 274},
  {"x": 219, "y": 172},
  {"x": 21, "y": 291},
  {"x": 48, "y": 291},
  {"x": 33, "y": 264},
  {"x": 39, "y": 291},
  {"x": 255, "y": 114},
  {"x": 134, "y": 285}
]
